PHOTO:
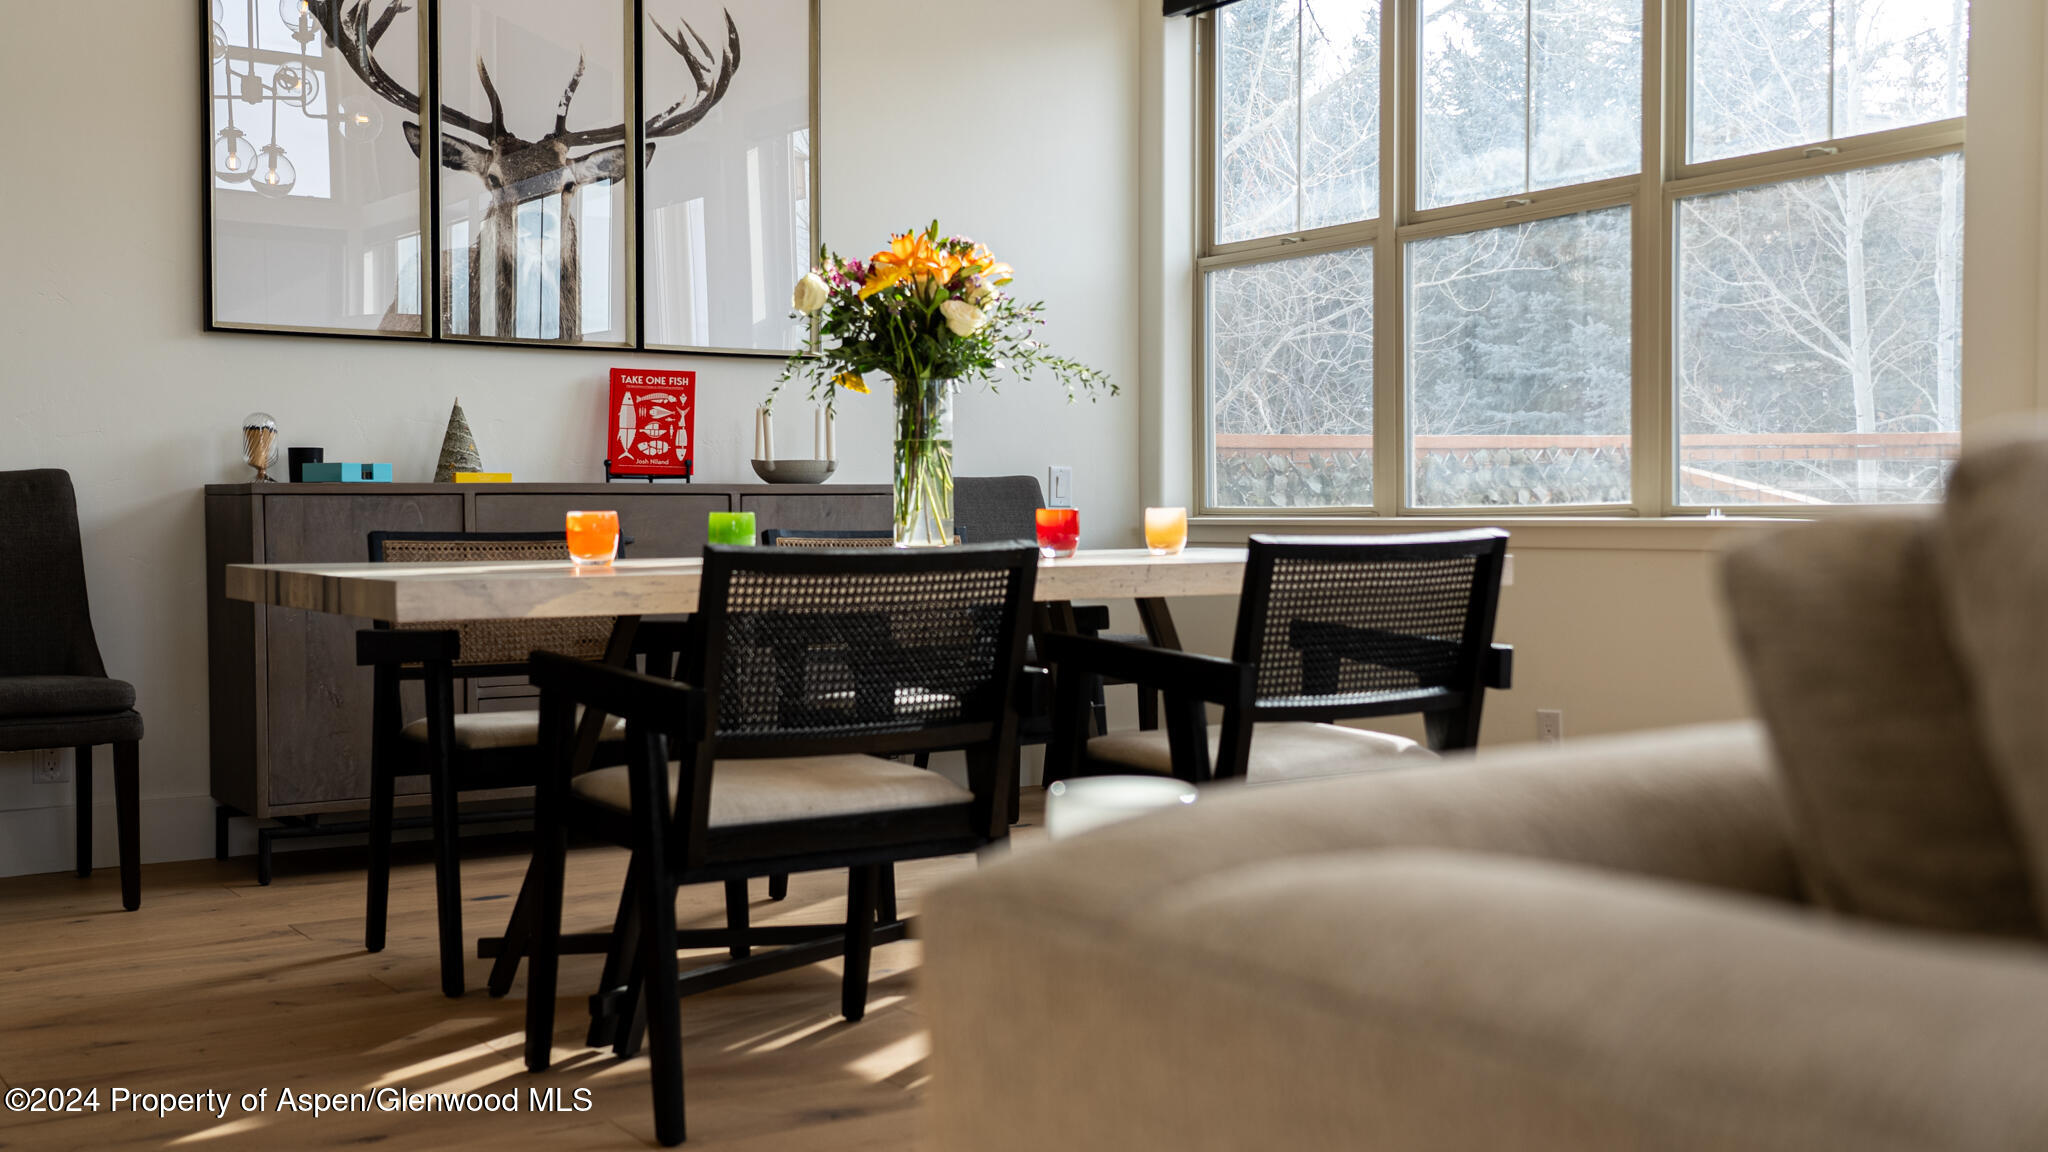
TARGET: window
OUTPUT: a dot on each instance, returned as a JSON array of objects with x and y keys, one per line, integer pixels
[{"x": 1436, "y": 284}]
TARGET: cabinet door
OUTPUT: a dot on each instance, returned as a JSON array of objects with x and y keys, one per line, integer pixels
[
  {"x": 662, "y": 524},
  {"x": 317, "y": 697},
  {"x": 815, "y": 511}
]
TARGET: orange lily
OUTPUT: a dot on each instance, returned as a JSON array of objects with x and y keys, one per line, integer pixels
[{"x": 908, "y": 255}]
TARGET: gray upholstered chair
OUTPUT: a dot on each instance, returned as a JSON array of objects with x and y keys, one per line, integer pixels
[{"x": 54, "y": 689}]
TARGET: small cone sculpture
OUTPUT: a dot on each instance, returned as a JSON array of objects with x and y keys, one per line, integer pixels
[{"x": 458, "y": 448}]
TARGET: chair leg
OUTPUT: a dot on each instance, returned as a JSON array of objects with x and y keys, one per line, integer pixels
[
  {"x": 377, "y": 903},
  {"x": 447, "y": 878},
  {"x": 221, "y": 815},
  {"x": 663, "y": 1003},
  {"x": 518, "y": 939},
  {"x": 81, "y": 769},
  {"x": 618, "y": 960},
  {"x": 860, "y": 940},
  {"x": 736, "y": 915},
  {"x": 885, "y": 893},
  {"x": 128, "y": 816},
  {"x": 778, "y": 886},
  {"x": 1148, "y": 709},
  {"x": 543, "y": 932}
]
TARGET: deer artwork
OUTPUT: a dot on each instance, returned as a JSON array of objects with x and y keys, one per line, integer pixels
[{"x": 518, "y": 171}]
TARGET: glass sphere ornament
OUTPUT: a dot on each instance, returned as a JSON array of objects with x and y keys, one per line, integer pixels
[
  {"x": 361, "y": 119},
  {"x": 274, "y": 174},
  {"x": 259, "y": 443},
  {"x": 296, "y": 14},
  {"x": 234, "y": 156},
  {"x": 217, "y": 41},
  {"x": 294, "y": 85}
]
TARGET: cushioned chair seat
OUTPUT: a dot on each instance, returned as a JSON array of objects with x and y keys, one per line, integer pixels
[
  {"x": 479, "y": 731},
  {"x": 799, "y": 788},
  {"x": 63, "y": 696},
  {"x": 1280, "y": 751},
  {"x": 22, "y": 734}
]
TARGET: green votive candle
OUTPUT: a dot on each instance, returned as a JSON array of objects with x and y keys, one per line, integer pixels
[{"x": 730, "y": 528}]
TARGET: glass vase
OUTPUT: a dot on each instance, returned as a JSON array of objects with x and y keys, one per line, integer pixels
[{"x": 924, "y": 462}]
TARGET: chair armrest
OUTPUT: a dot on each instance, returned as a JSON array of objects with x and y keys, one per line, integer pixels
[
  {"x": 669, "y": 706},
  {"x": 670, "y": 637},
  {"x": 1033, "y": 694},
  {"x": 1091, "y": 619},
  {"x": 406, "y": 645},
  {"x": 1209, "y": 678},
  {"x": 1497, "y": 666},
  {"x": 1462, "y": 1001}
]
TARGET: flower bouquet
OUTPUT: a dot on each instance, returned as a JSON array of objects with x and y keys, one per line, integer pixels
[{"x": 930, "y": 313}]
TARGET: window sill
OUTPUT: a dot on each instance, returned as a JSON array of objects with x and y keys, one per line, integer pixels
[{"x": 1595, "y": 533}]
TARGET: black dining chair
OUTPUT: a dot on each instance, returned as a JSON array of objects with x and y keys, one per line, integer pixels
[
  {"x": 809, "y": 668},
  {"x": 458, "y": 751},
  {"x": 54, "y": 688},
  {"x": 990, "y": 508},
  {"x": 1328, "y": 628}
]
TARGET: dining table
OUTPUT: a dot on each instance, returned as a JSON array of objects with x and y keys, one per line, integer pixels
[{"x": 402, "y": 594}]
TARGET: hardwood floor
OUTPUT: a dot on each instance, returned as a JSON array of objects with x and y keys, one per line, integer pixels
[{"x": 217, "y": 984}]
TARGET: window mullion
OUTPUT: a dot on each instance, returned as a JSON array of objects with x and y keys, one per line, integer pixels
[
  {"x": 1399, "y": 76},
  {"x": 1653, "y": 420}
]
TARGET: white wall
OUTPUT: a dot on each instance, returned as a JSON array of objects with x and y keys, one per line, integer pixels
[{"x": 1017, "y": 127}]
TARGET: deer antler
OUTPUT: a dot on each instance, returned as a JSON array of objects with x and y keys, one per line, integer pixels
[
  {"x": 678, "y": 118},
  {"x": 568, "y": 94},
  {"x": 347, "y": 27},
  {"x": 685, "y": 113},
  {"x": 497, "y": 125}
]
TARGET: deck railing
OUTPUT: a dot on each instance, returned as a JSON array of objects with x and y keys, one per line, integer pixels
[{"x": 1801, "y": 468}]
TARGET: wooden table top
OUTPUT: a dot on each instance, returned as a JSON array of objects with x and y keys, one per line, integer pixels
[{"x": 415, "y": 593}]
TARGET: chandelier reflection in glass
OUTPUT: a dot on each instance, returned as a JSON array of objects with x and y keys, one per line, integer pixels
[{"x": 238, "y": 158}]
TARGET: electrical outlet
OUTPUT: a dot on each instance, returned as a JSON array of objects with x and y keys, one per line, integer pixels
[
  {"x": 50, "y": 767},
  {"x": 1059, "y": 486},
  {"x": 1549, "y": 725}
]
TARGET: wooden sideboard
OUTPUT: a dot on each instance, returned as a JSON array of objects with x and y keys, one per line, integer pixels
[{"x": 289, "y": 708}]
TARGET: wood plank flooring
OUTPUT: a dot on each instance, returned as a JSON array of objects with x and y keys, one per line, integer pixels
[{"x": 220, "y": 984}]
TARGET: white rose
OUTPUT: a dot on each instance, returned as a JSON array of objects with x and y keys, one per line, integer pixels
[
  {"x": 963, "y": 318},
  {"x": 811, "y": 294}
]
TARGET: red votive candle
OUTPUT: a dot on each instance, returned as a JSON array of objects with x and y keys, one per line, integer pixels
[{"x": 1059, "y": 532}]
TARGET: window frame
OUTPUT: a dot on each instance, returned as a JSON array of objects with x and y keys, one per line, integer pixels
[{"x": 1664, "y": 179}]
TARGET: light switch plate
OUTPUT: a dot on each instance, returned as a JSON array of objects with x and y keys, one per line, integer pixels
[
  {"x": 1059, "y": 487},
  {"x": 1507, "y": 571}
]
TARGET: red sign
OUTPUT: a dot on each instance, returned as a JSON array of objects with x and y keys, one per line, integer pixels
[{"x": 649, "y": 422}]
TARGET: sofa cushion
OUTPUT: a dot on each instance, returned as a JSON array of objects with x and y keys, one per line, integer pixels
[
  {"x": 1993, "y": 557},
  {"x": 796, "y": 788},
  {"x": 41, "y": 696},
  {"x": 1280, "y": 751},
  {"x": 1896, "y": 811}
]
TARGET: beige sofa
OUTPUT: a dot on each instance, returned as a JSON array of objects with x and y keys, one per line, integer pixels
[{"x": 1609, "y": 945}]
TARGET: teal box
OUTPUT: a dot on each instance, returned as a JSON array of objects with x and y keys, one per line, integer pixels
[{"x": 329, "y": 473}]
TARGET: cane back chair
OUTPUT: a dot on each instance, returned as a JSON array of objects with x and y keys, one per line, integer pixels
[
  {"x": 1328, "y": 628},
  {"x": 807, "y": 667}
]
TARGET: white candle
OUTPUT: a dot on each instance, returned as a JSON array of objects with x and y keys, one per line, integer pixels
[
  {"x": 757, "y": 434},
  {"x": 768, "y": 442},
  {"x": 831, "y": 427},
  {"x": 817, "y": 433}
]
